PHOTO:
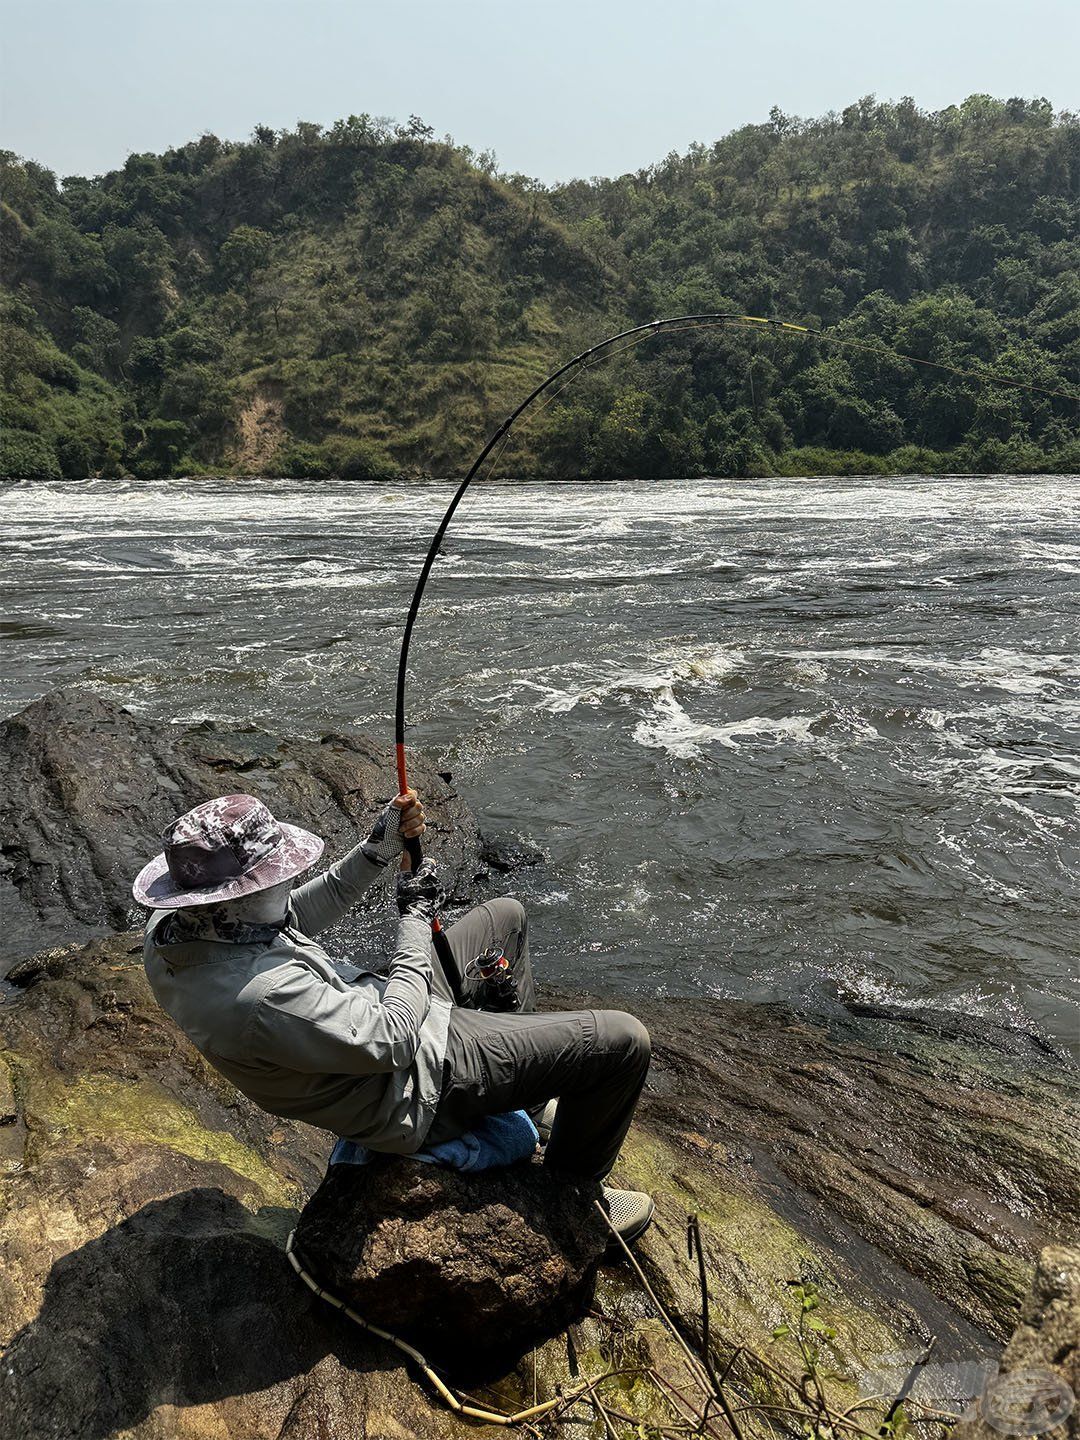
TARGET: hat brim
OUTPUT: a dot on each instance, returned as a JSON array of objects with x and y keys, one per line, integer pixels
[{"x": 155, "y": 888}]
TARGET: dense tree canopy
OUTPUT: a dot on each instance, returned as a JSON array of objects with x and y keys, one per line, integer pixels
[{"x": 368, "y": 300}]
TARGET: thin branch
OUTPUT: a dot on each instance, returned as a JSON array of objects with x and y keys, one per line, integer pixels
[
  {"x": 682, "y": 1405},
  {"x": 794, "y": 1410},
  {"x": 906, "y": 1387},
  {"x": 599, "y": 1409},
  {"x": 694, "y": 1363},
  {"x": 693, "y": 1240}
]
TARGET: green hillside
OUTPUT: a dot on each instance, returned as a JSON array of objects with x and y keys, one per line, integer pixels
[{"x": 368, "y": 300}]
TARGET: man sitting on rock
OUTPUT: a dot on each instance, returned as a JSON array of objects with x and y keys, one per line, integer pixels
[{"x": 388, "y": 1061}]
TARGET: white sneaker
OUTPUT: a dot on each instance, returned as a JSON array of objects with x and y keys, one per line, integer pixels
[
  {"x": 630, "y": 1211},
  {"x": 544, "y": 1119}
]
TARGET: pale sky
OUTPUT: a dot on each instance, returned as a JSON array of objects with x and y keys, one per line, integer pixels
[{"x": 557, "y": 88}]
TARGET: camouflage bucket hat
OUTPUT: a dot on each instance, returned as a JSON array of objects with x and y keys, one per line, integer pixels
[{"x": 223, "y": 849}]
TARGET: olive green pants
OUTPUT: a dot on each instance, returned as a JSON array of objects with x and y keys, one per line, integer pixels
[{"x": 594, "y": 1061}]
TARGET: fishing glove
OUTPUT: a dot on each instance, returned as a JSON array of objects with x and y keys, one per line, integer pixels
[
  {"x": 419, "y": 892},
  {"x": 386, "y": 841}
]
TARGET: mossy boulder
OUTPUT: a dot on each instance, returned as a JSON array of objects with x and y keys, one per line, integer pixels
[{"x": 472, "y": 1269}]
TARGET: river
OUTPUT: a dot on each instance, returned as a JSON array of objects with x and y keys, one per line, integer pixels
[{"x": 776, "y": 739}]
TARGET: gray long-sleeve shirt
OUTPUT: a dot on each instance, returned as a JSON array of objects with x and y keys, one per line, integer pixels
[{"x": 312, "y": 1038}]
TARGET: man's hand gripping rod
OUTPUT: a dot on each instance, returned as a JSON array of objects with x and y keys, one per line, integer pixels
[{"x": 414, "y": 853}]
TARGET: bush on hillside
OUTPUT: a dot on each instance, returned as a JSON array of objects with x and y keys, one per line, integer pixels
[
  {"x": 25, "y": 456},
  {"x": 349, "y": 459}
]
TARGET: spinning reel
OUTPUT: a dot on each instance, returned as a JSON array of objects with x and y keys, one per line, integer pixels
[{"x": 495, "y": 975}]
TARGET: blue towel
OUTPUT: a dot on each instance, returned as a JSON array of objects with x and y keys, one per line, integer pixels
[{"x": 496, "y": 1140}]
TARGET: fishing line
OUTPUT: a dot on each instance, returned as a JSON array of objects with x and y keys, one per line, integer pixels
[
  {"x": 569, "y": 371},
  {"x": 992, "y": 376},
  {"x": 752, "y": 322}
]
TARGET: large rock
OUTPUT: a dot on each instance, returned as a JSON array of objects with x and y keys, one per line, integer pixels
[
  {"x": 929, "y": 1156},
  {"x": 1037, "y": 1387},
  {"x": 86, "y": 788},
  {"x": 910, "y": 1168},
  {"x": 472, "y": 1269}
]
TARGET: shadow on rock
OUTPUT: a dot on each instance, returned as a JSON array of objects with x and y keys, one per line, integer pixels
[{"x": 189, "y": 1301}]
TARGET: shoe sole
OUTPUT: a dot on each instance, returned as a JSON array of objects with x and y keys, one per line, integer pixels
[
  {"x": 635, "y": 1234},
  {"x": 543, "y": 1129}
]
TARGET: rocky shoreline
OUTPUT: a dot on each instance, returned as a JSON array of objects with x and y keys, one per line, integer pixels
[{"x": 908, "y": 1168}]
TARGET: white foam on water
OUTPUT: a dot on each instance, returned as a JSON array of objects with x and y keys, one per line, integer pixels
[
  {"x": 669, "y": 727},
  {"x": 333, "y": 578},
  {"x": 1022, "y": 673},
  {"x": 705, "y": 662},
  {"x": 691, "y": 665},
  {"x": 766, "y": 584},
  {"x": 970, "y": 849},
  {"x": 807, "y": 672},
  {"x": 243, "y": 649},
  {"x": 1013, "y": 775},
  {"x": 796, "y": 729},
  {"x": 1015, "y": 671},
  {"x": 98, "y": 567},
  {"x": 997, "y": 779},
  {"x": 873, "y": 988},
  {"x": 205, "y": 557},
  {"x": 1059, "y": 554},
  {"x": 550, "y": 897}
]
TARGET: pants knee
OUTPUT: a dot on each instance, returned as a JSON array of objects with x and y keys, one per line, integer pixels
[
  {"x": 627, "y": 1034},
  {"x": 512, "y": 921},
  {"x": 515, "y": 912}
]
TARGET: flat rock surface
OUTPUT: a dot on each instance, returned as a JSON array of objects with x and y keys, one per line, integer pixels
[
  {"x": 86, "y": 789},
  {"x": 928, "y": 1155}
]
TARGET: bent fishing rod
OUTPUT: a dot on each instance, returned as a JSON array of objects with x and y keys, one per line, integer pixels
[{"x": 605, "y": 349}]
